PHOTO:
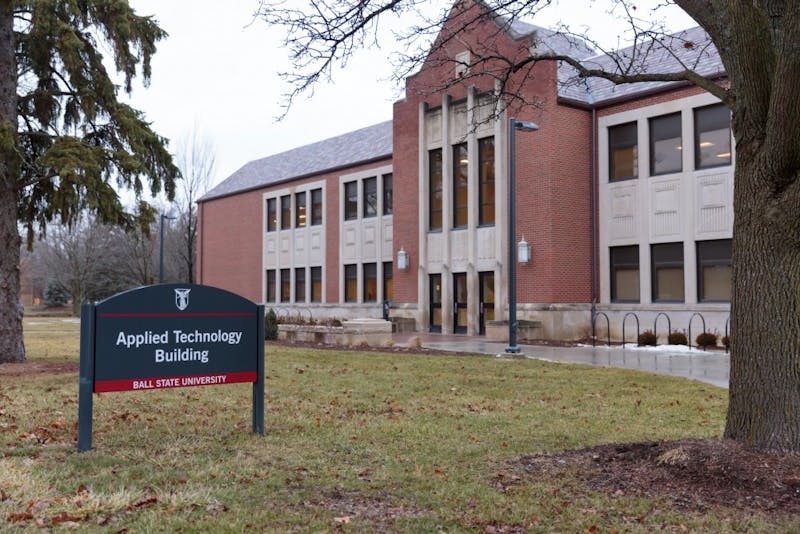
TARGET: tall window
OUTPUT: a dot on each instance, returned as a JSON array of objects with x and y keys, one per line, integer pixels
[
  {"x": 316, "y": 207},
  {"x": 623, "y": 153},
  {"x": 300, "y": 210},
  {"x": 714, "y": 271},
  {"x": 272, "y": 215},
  {"x": 435, "y": 188},
  {"x": 286, "y": 212},
  {"x": 665, "y": 144},
  {"x": 286, "y": 285},
  {"x": 370, "y": 186},
  {"x": 486, "y": 181},
  {"x": 625, "y": 274},
  {"x": 667, "y": 265},
  {"x": 388, "y": 286},
  {"x": 370, "y": 282},
  {"x": 460, "y": 184},
  {"x": 387, "y": 194},
  {"x": 300, "y": 284},
  {"x": 271, "y": 288},
  {"x": 350, "y": 201},
  {"x": 316, "y": 284},
  {"x": 350, "y": 283},
  {"x": 712, "y": 136}
]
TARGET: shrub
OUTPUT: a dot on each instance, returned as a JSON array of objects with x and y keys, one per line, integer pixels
[
  {"x": 271, "y": 325},
  {"x": 726, "y": 342},
  {"x": 55, "y": 295},
  {"x": 677, "y": 338},
  {"x": 647, "y": 338},
  {"x": 706, "y": 339}
]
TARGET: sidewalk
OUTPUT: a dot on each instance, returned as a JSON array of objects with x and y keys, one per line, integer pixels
[{"x": 711, "y": 367}]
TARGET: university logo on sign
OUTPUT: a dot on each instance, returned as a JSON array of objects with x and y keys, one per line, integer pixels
[{"x": 182, "y": 298}]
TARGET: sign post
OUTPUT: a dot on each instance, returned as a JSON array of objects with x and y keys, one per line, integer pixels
[{"x": 168, "y": 336}]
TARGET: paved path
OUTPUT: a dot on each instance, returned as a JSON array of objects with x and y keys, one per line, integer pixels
[{"x": 711, "y": 367}]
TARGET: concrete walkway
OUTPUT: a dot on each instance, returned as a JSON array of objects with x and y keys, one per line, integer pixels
[{"x": 711, "y": 367}]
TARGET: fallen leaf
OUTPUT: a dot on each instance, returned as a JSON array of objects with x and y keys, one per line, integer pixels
[
  {"x": 343, "y": 520},
  {"x": 216, "y": 507}
]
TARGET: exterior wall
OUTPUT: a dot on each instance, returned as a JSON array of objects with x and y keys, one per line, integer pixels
[
  {"x": 229, "y": 240},
  {"x": 686, "y": 207},
  {"x": 234, "y": 248}
]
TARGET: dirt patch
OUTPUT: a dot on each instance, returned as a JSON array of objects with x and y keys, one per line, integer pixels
[
  {"x": 693, "y": 473},
  {"x": 38, "y": 368}
]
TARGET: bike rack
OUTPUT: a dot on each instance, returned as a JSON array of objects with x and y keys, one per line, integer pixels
[
  {"x": 594, "y": 330},
  {"x": 624, "y": 319},
  {"x": 696, "y": 314},
  {"x": 655, "y": 326}
]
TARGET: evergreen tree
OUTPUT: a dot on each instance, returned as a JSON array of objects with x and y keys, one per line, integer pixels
[{"x": 65, "y": 139}]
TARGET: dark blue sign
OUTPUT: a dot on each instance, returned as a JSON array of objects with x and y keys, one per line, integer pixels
[{"x": 167, "y": 336}]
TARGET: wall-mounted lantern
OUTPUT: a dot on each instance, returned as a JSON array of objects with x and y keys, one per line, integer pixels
[
  {"x": 524, "y": 252},
  {"x": 402, "y": 260}
]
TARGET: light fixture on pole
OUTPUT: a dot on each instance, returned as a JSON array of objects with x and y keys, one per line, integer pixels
[
  {"x": 513, "y": 126},
  {"x": 161, "y": 249}
]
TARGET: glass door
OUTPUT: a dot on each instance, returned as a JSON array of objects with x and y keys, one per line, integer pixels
[
  {"x": 486, "y": 281},
  {"x": 460, "y": 303},
  {"x": 435, "y": 289}
]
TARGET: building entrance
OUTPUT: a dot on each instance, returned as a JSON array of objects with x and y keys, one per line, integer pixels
[
  {"x": 460, "y": 303},
  {"x": 486, "y": 306}
]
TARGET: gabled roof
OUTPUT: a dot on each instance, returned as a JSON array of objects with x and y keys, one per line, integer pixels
[
  {"x": 353, "y": 148},
  {"x": 691, "y": 48}
]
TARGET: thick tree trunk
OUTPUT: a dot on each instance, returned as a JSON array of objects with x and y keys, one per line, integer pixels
[
  {"x": 11, "y": 345},
  {"x": 764, "y": 406}
]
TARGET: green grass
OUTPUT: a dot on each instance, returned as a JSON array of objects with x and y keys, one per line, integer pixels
[{"x": 354, "y": 441}]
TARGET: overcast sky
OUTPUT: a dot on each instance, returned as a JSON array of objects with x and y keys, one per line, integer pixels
[{"x": 218, "y": 70}]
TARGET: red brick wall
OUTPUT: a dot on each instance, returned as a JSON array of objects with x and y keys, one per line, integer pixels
[
  {"x": 230, "y": 243},
  {"x": 658, "y": 98}
]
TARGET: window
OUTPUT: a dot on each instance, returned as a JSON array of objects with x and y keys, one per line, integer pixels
[
  {"x": 300, "y": 284},
  {"x": 712, "y": 136},
  {"x": 316, "y": 207},
  {"x": 714, "y": 271},
  {"x": 388, "y": 286},
  {"x": 435, "y": 189},
  {"x": 667, "y": 265},
  {"x": 665, "y": 144},
  {"x": 387, "y": 194},
  {"x": 370, "y": 186},
  {"x": 286, "y": 285},
  {"x": 350, "y": 201},
  {"x": 460, "y": 185},
  {"x": 271, "y": 285},
  {"x": 300, "y": 210},
  {"x": 625, "y": 274},
  {"x": 370, "y": 282},
  {"x": 486, "y": 181},
  {"x": 350, "y": 283},
  {"x": 316, "y": 284},
  {"x": 272, "y": 215},
  {"x": 623, "y": 157},
  {"x": 286, "y": 212}
]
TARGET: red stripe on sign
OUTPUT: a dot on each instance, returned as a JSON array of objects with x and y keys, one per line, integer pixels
[
  {"x": 139, "y": 384},
  {"x": 198, "y": 314}
]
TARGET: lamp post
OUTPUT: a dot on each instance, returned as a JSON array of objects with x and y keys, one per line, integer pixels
[
  {"x": 513, "y": 126},
  {"x": 161, "y": 249}
]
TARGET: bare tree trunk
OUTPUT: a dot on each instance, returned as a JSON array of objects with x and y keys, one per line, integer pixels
[
  {"x": 12, "y": 348},
  {"x": 764, "y": 405}
]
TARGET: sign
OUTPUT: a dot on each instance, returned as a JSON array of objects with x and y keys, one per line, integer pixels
[{"x": 168, "y": 336}]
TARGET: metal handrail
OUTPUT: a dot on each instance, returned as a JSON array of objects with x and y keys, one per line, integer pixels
[{"x": 624, "y": 319}]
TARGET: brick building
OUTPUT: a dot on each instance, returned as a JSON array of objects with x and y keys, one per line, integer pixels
[{"x": 624, "y": 196}]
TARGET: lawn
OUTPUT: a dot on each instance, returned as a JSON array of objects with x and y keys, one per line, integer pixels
[{"x": 355, "y": 441}]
